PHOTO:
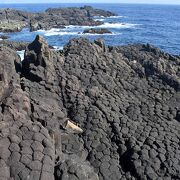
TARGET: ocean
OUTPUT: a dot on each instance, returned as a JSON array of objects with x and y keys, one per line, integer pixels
[{"x": 136, "y": 23}]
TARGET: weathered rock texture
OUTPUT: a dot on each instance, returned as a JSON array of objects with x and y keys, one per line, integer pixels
[
  {"x": 17, "y": 46},
  {"x": 59, "y": 17},
  {"x": 12, "y": 20},
  {"x": 125, "y": 99}
]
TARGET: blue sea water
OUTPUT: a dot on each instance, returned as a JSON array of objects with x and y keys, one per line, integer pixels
[{"x": 155, "y": 24}]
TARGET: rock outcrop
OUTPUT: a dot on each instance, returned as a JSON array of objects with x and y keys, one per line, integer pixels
[
  {"x": 97, "y": 31},
  {"x": 3, "y": 37},
  {"x": 60, "y": 17},
  {"x": 12, "y": 20},
  {"x": 84, "y": 11},
  {"x": 91, "y": 112},
  {"x": 16, "y": 46}
]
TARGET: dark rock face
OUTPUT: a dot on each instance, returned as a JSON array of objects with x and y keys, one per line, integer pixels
[
  {"x": 12, "y": 14},
  {"x": 13, "y": 20},
  {"x": 97, "y": 12},
  {"x": 16, "y": 46},
  {"x": 125, "y": 99},
  {"x": 4, "y": 37},
  {"x": 7, "y": 69},
  {"x": 59, "y": 17},
  {"x": 97, "y": 31}
]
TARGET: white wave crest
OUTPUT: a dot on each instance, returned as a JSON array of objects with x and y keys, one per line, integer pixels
[
  {"x": 107, "y": 25},
  {"x": 116, "y": 17},
  {"x": 118, "y": 25},
  {"x": 99, "y": 19},
  {"x": 74, "y": 30},
  {"x": 105, "y": 34},
  {"x": 58, "y": 48},
  {"x": 21, "y": 54},
  {"x": 56, "y": 31}
]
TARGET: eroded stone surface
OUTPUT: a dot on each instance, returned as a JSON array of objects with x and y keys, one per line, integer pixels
[{"x": 125, "y": 99}]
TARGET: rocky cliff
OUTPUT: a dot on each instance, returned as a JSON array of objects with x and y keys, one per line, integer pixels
[{"x": 89, "y": 112}]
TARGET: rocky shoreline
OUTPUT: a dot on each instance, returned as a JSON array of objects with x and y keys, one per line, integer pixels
[
  {"x": 91, "y": 112},
  {"x": 12, "y": 20},
  {"x": 97, "y": 31}
]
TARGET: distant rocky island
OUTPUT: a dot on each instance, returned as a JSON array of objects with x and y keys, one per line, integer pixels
[
  {"x": 89, "y": 111},
  {"x": 12, "y": 20}
]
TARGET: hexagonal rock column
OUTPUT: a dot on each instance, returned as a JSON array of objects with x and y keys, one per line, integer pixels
[{"x": 26, "y": 152}]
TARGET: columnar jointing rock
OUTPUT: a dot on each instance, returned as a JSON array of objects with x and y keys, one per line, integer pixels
[{"x": 125, "y": 99}]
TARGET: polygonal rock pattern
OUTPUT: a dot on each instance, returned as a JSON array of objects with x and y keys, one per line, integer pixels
[
  {"x": 27, "y": 152},
  {"x": 125, "y": 99},
  {"x": 72, "y": 167}
]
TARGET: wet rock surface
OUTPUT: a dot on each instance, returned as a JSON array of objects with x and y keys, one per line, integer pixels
[
  {"x": 97, "y": 31},
  {"x": 125, "y": 99}
]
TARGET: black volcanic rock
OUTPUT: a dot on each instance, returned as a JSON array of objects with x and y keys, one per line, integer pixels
[
  {"x": 125, "y": 99},
  {"x": 97, "y": 31},
  {"x": 13, "y": 20},
  {"x": 3, "y": 37},
  {"x": 84, "y": 11},
  {"x": 97, "y": 12},
  {"x": 17, "y": 46},
  {"x": 58, "y": 18},
  {"x": 8, "y": 59}
]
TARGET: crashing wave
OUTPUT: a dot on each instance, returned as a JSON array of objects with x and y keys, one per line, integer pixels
[
  {"x": 106, "y": 25},
  {"x": 57, "y": 48},
  {"x": 21, "y": 54},
  {"x": 77, "y": 30}
]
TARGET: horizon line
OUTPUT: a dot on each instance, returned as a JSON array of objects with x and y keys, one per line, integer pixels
[{"x": 91, "y": 3}]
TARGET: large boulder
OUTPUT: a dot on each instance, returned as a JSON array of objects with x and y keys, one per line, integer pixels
[{"x": 38, "y": 61}]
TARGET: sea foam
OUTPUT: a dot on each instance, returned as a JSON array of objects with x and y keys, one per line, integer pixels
[
  {"x": 57, "y": 48},
  {"x": 107, "y": 25},
  {"x": 21, "y": 54},
  {"x": 56, "y": 31},
  {"x": 116, "y": 17},
  {"x": 73, "y": 30},
  {"x": 118, "y": 25}
]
